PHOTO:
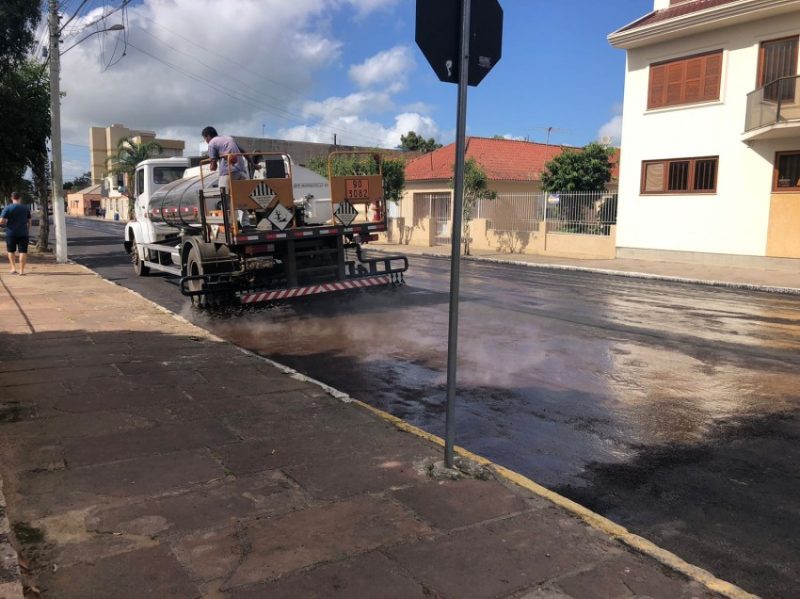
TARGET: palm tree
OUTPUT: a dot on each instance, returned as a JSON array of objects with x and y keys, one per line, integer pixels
[{"x": 129, "y": 154}]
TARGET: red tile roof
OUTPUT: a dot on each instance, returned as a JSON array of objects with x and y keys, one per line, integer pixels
[
  {"x": 501, "y": 160},
  {"x": 677, "y": 10}
]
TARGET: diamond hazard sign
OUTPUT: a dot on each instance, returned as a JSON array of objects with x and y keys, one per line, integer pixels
[
  {"x": 345, "y": 213},
  {"x": 262, "y": 195},
  {"x": 280, "y": 217}
]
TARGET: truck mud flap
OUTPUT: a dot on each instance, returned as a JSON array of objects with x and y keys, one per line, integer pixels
[{"x": 255, "y": 297}]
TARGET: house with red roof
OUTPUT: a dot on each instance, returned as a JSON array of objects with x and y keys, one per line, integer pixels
[
  {"x": 513, "y": 169},
  {"x": 711, "y": 132}
]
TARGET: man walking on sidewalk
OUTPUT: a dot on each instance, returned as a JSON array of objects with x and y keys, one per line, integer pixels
[{"x": 17, "y": 219}]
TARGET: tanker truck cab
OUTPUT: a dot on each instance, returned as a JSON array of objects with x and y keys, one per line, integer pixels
[{"x": 150, "y": 175}]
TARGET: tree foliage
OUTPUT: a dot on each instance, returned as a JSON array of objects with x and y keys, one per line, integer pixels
[
  {"x": 394, "y": 177},
  {"x": 476, "y": 187},
  {"x": 25, "y": 102},
  {"x": 24, "y": 121},
  {"x": 18, "y": 21},
  {"x": 588, "y": 169},
  {"x": 130, "y": 153},
  {"x": 416, "y": 143},
  {"x": 79, "y": 182}
]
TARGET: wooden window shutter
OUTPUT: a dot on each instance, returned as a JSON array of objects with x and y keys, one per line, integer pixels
[
  {"x": 658, "y": 80},
  {"x": 712, "y": 77},
  {"x": 694, "y": 88},
  {"x": 676, "y": 76},
  {"x": 685, "y": 81}
]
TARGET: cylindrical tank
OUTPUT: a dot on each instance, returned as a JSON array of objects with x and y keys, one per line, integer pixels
[{"x": 177, "y": 203}]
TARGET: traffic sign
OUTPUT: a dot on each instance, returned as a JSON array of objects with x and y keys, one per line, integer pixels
[{"x": 438, "y": 31}]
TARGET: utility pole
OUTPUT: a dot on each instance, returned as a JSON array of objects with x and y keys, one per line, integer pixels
[{"x": 59, "y": 219}]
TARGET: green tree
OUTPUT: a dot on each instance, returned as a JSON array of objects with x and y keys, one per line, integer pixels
[
  {"x": 79, "y": 182},
  {"x": 588, "y": 169},
  {"x": 394, "y": 171},
  {"x": 18, "y": 21},
  {"x": 394, "y": 179},
  {"x": 129, "y": 154},
  {"x": 476, "y": 187},
  {"x": 416, "y": 143}
]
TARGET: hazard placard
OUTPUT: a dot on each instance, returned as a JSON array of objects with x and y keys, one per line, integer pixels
[
  {"x": 356, "y": 189},
  {"x": 262, "y": 195},
  {"x": 280, "y": 217},
  {"x": 346, "y": 213}
]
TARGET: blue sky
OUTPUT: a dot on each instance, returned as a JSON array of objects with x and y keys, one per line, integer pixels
[{"x": 307, "y": 69}]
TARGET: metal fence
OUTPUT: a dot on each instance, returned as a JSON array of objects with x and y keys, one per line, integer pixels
[{"x": 579, "y": 212}]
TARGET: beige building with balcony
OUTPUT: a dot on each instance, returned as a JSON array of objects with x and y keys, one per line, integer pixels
[
  {"x": 103, "y": 143},
  {"x": 711, "y": 132}
]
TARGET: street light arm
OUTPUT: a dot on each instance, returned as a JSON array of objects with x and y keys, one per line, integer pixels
[{"x": 116, "y": 27}]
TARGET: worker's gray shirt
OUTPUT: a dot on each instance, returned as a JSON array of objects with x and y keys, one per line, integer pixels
[{"x": 219, "y": 147}]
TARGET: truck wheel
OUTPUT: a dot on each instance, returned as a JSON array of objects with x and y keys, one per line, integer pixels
[
  {"x": 138, "y": 263},
  {"x": 194, "y": 268}
]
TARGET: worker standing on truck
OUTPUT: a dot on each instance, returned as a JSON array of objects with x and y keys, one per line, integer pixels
[{"x": 233, "y": 164}]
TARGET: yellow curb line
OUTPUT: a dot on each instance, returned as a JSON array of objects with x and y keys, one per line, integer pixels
[{"x": 596, "y": 521}]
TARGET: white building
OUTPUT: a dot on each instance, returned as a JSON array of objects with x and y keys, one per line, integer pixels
[{"x": 711, "y": 132}]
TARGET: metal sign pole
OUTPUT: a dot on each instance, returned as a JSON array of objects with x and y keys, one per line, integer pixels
[{"x": 455, "y": 258}]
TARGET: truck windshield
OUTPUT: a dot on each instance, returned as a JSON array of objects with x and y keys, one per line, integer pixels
[{"x": 167, "y": 174}]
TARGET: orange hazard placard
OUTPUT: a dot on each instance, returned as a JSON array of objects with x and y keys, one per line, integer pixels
[{"x": 356, "y": 189}]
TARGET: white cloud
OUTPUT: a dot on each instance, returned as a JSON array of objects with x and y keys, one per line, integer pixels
[
  {"x": 72, "y": 169},
  {"x": 247, "y": 71},
  {"x": 364, "y": 7},
  {"x": 390, "y": 66},
  {"x": 353, "y": 130},
  {"x": 612, "y": 128}
]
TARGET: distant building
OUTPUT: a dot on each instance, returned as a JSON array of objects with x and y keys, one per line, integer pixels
[
  {"x": 711, "y": 132},
  {"x": 103, "y": 142},
  {"x": 514, "y": 221}
]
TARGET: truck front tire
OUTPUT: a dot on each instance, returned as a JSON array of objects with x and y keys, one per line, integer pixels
[{"x": 139, "y": 266}]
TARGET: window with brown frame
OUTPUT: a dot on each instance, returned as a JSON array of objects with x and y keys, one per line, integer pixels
[
  {"x": 685, "y": 80},
  {"x": 787, "y": 171},
  {"x": 777, "y": 59},
  {"x": 680, "y": 175}
]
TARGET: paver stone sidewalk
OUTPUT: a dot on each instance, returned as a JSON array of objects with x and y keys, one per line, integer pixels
[{"x": 143, "y": 457}]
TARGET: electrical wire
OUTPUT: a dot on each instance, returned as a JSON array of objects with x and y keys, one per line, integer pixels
[
  {"x": 75, "y": 14},
  {"x": 245, "y": 99}
]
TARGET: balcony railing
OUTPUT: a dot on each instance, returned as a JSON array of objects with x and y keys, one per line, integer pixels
[{"x": 777, "y": 102}]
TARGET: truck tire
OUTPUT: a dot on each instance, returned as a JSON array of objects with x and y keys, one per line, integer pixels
[
  {"x": 194, "y": 268},
  {"x": 139, "y": 266}
]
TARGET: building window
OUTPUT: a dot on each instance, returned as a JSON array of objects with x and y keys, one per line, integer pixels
[
  {"x": 680, "y": 175},
  {"x": 777, "y": 59},
  {"x": 685, "y": 80},
  {"x": 787, "y": 171}
]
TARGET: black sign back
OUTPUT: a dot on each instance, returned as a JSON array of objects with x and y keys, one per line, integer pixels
[{"x": 438, "y": 31}]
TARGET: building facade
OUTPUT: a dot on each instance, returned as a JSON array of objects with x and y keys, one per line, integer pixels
[
  {"x": 521, "y": 219},
  {"x": 711, "y": 131}
]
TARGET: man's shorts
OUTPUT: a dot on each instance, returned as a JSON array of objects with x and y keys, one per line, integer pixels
[{"x": 17, "y": 243}]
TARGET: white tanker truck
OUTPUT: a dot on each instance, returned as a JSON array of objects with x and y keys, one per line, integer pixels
[{"x": 285, "y": 232}]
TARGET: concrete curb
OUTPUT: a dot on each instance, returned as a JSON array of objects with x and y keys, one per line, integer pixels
[
  {"x": 596, "y": 521},
  {"x": 616, "y": 273},
  {"x": 10, "y": 581}
]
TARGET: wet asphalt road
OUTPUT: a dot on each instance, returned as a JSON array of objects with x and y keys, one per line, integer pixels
[{"x": 672, "y": 409}]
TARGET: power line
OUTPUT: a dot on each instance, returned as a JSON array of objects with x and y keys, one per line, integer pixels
[
  {"x": 255, "y": 102},
  {"x": 227, "y": 59}
]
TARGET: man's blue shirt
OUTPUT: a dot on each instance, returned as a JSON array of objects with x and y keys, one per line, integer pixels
[{"x": 17, "y": 216}]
